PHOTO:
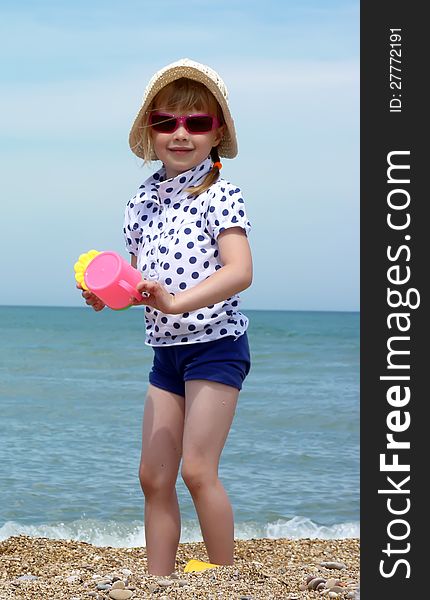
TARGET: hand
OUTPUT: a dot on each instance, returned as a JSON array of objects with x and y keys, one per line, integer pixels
[
  {"x": 155, "y": 295},
  {"x": 91, "y": 299}
]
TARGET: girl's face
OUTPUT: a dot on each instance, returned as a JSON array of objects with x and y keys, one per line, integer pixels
[{"x": 181, "y": 150}]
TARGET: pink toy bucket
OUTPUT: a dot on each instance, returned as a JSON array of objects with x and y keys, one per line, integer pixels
[{"x": 112, "y": 279}]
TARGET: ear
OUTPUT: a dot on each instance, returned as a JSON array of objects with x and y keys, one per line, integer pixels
[{"x": 219, "y": 135}]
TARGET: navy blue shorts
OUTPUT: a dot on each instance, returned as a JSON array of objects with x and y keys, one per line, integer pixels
[{"x": 224, "y": 360}]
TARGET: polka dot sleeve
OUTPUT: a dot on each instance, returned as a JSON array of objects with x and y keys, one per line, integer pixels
[
  {"x": 132, "y": 229},
  {"x": 226, "y": 209}
]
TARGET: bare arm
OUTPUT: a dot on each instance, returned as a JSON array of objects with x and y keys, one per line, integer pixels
[{"x": 234, "y": 276}]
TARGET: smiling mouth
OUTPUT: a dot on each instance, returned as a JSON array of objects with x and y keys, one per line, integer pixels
[{"x": 180, "y": 149}]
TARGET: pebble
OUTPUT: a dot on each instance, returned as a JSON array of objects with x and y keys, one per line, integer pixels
[
  {"x": 126, "y": 572},
  {"x": 332, "y": 582},
  {"x": 314, "y": 582},
  {"x": 152, "y": 587},
  {"x": 333, "y": 595},
  {"x": 164, "y": 582},
  {"x": 333, "y": 565},
  {"x": 73, "y": 578},
  {"x": 27, "y": 578},
  {"x": 104, "y": 586},
  {"x": 118, "y": 585},
  {"x": 120, "y": 594}
]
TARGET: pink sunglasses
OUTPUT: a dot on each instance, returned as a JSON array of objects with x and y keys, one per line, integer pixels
[{"x": 167, "y": 123}]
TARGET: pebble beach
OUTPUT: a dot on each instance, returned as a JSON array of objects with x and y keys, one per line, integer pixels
[{"x": 34, "y": 568}]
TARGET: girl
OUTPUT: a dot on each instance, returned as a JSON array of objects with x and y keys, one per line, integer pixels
[{"x": 186, "y": 230}]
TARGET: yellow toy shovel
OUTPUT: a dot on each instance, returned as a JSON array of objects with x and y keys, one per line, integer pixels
[{"x": 193, "y": 566}]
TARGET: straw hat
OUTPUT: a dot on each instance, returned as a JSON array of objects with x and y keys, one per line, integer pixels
[{"x": 198, "y": 72}]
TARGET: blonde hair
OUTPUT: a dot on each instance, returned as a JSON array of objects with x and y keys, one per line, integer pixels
[{"x": 183, "y": 95}]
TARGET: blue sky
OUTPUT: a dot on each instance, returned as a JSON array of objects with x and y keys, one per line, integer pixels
[{"x": 72, "y": 79}]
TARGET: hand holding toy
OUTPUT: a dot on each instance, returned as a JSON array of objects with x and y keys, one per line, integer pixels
[{"x": 109, "y": 276}]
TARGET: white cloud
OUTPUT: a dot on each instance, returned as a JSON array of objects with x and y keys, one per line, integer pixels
[{"x": 103, "y": 106}]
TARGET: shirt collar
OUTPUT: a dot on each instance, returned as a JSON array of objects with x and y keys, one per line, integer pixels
[{"x": 167, "y": 191}]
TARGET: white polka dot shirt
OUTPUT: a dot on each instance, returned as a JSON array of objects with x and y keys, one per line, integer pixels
[{"x": 173, "y": 235}]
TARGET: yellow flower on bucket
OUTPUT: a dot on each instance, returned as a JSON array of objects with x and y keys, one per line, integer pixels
[
  {"x": 193, "y": 566},
  {"x": 82, "y": 264}
]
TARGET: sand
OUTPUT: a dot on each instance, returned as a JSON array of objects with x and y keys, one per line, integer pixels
[{"x": 264, "y": 569}]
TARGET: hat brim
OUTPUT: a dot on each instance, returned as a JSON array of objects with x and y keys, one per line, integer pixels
[{"x": 228, "y": 145}]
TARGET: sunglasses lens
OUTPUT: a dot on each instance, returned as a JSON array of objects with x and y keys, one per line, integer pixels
[
  {"x": 162, "y": 123},
  {"x": 199, "y": 124}
]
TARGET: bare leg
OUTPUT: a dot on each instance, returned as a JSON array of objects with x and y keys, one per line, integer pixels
[
  {"x": 209, "y": 412},
  {"x": 163, "y": 424}
]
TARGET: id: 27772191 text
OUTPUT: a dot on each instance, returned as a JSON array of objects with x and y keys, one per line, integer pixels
[{"x": 395, "y": 70}]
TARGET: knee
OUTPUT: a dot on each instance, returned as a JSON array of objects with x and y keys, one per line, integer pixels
[
  {"x": 154, "y": 481},
  {"x": 196, "y": 475}
]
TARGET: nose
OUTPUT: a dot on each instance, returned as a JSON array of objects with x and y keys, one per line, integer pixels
[{"x": 181, "y": 133}]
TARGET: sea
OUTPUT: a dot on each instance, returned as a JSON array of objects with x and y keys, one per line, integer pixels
[{"x": 72, "y": 390}]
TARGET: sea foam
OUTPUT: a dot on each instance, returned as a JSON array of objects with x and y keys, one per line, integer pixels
[{"x": 132, "y": 534}]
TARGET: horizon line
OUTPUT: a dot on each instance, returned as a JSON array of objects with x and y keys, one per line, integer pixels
[{"x": 243, "y": 308}]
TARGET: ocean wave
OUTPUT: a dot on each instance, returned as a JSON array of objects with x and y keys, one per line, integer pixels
[{"x": 132, "y": 535}]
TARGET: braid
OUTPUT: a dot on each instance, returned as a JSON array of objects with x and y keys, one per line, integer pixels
[
  {"x": 215, "y": 157},
  {"x": 211, "y": 177}
]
